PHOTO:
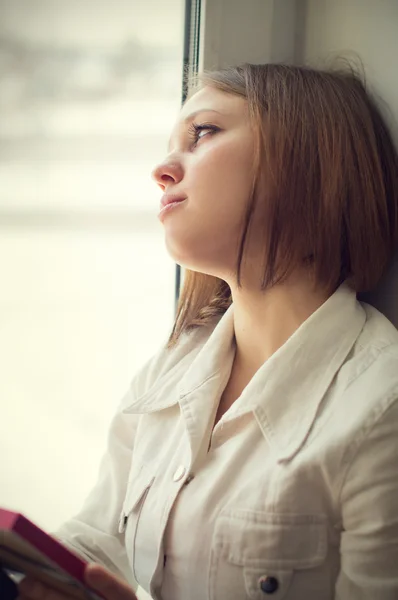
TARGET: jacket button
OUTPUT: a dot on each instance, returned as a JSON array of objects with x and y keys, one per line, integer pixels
[
  {"x": 179, "y": 474},
  {"x": 269, "y": 585}
]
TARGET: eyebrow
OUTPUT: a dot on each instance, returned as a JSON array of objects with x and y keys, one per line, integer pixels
[{"x": 191, "y": 117}]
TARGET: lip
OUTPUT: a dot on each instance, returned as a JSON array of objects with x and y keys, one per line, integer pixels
[
  {"x": 168, "y": 206},
  {"x": 170, "y": 198}
]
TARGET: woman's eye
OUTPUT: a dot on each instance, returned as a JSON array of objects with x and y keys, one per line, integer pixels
[{"x": 196, "y": 131}]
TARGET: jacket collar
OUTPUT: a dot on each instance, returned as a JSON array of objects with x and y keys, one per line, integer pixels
[
  {"x": 200, "y": 362},
  {"x": 294, "y": 381},
  {"x": 286, "y": 392}
]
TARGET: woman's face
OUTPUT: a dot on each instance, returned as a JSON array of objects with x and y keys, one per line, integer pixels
[{"x": 210, "y": 164}]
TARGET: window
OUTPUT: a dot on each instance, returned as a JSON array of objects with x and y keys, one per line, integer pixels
[{"x": 88, "y": 92}]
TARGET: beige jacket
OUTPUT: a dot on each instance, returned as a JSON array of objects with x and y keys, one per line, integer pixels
[{"x": 297, "y": 496}]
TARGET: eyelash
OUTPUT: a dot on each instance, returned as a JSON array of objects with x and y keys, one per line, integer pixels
[{"x": 195, "y": 128}]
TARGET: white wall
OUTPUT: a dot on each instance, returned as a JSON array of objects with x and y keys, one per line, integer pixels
[
  {"x": 237, "y": 31},
  {"x": 368, "y": 28}
]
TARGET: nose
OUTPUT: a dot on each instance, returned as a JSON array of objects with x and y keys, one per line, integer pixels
[{"x": 166, "y": 173}]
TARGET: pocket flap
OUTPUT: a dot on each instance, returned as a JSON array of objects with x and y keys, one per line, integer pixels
[
  {"x": 137, "y": 488},
  {"x": 271, "y": 540}
]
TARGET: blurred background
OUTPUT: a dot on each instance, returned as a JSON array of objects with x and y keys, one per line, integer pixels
[{"x": 89, "y": 92}]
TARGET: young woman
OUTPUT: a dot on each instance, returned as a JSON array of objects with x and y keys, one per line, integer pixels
[{"x": 256, "y": 454}]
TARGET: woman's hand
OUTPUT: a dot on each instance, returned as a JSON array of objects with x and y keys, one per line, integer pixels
[{"x": 97, "y": 578}]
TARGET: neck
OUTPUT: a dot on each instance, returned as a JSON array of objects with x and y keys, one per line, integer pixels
[{"x": 264, "y": 321}]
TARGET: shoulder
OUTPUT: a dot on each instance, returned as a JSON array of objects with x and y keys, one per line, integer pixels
[
  {"x": 373, "y": 362},
  {"x": 167, "y": 361},
  {"x": 378, "y": 333},
  {"x": 368, "y": 384}
]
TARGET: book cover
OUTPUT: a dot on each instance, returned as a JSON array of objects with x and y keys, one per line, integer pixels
[{"x": 25, "y": 549}]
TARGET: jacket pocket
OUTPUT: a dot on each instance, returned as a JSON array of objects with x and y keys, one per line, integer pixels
[
  {"x": 266, "y": 554},
  {"x": 134, "y": 522},
  {"x": 139, "y": 484}
]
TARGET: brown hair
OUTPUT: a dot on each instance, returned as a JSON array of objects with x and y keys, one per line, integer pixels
[{"x": 331, "y": 174}]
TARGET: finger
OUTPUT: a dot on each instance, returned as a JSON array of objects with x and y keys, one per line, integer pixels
[
  {"x": 106, "y": 584},
  {"x": 31, "y": 589}
]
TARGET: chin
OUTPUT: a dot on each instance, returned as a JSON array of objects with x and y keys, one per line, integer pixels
[{"x": 196, "y": 253}]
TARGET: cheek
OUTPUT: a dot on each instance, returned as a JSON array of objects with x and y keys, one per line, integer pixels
[{"x": 220, "y": 177}]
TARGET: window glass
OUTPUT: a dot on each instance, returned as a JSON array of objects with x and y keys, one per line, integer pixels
[{"x": 88, "y": 93}]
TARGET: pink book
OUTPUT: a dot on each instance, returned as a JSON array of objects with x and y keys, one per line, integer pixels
[{"x": 25, "y": 549}]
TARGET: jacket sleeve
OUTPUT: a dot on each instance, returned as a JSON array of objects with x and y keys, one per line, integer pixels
[
  {"x": 93, "y": 532},
  {"x": 369, "y": 500}
]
